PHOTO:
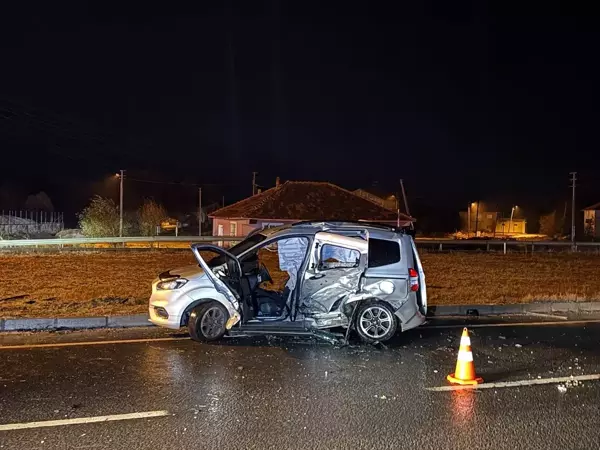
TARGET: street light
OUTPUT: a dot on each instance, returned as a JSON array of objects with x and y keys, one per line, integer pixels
[
  {"x": 512, "y": 212},
  {"x": 469, "y": 206}
]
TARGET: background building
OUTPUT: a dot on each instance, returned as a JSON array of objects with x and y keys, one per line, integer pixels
[{"x": 295, "y": 201}]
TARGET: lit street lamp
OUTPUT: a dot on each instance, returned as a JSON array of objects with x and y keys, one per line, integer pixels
[
  {"x": 512, "y": 212},
  {"x": 471, "y": 205}
]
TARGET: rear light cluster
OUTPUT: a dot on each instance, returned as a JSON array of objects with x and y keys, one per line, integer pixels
[{"x": 414, "y": 280}]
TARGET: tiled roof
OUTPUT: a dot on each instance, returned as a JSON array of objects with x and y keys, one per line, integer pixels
[
  {"x": 307, "y": 200},
  {"x": 592, "y": 208}
]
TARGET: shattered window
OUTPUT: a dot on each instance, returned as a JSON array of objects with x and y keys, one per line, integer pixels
[{"x": 334, "y": 257}]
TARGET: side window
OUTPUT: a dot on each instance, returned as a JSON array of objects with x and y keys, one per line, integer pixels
[
  {"x": 335, "y": 257},
  {"x": 382, "y": 252}
]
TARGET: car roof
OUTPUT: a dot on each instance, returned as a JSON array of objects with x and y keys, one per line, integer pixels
[{"x": 311, "y": 228}]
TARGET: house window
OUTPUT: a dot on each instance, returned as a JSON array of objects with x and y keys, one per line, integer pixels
[
  {"x": 220, "y": 230},
  {"x": 233, "y": 228},
  {"x": 335, "y": 257}
]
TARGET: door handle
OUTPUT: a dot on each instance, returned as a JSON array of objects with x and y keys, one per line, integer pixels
[{"x": 317, "y": 276}]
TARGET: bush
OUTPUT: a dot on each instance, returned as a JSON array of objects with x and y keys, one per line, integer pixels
[
  {"x": 150, "y": 215},
  {"x": 100, "y": 218}
]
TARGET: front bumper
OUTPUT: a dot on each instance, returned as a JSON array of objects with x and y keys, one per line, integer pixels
[
  {"x": 173, "y": 322},
  {"x": 167, "y": 307}
]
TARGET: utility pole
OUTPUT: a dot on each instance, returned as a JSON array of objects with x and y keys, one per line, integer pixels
[
  {"x": 122, "y": 176},
  {"x": 223, "y": 201},
  {"x": 254, "y": 182},
  {"x": 404, "y": 197},
  {"x": 573, "y": 180},
  {"x": 469, "y": 220},
  {"x": 477, "y": 218},
  {"x": 200, "y": 211}
]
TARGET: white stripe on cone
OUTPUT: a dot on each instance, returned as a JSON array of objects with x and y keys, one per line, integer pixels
[
  {"x": 465, "y": 356},
  {"x": 465, "y": 340}
]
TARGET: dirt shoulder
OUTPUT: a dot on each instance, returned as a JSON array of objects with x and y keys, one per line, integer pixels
[{"x": 118, "y": 282}]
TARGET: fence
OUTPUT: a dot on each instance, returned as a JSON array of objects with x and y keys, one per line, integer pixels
[
  {"x": 184, "y": 241},
  {"x": 30, "y": 222},
  {"x": 116, "y": 242}
]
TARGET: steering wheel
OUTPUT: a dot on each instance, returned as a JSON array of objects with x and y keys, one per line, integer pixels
[{"x": 264, "y": 274}]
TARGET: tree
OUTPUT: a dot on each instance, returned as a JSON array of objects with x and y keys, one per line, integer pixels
[
  {"x": 39, "y": 202},
  {"x": 150, "y": 215},
  {"x": 100, "y": 218},
  {"x": 551, "y": 225}
]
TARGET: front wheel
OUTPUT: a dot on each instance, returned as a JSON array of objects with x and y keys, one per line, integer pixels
[
  {"x": 375, "y": 322},
  {"x": 207, "y": 322}
]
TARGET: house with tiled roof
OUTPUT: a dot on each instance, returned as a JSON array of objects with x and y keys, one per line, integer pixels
[
  {"x": 295, "y": 201},
  {"x": 591, "y": 221}
]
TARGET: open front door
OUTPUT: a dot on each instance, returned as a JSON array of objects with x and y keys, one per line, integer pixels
[
  {"x": 228, "y": 289},
  {"x": 336, "y": 266}
]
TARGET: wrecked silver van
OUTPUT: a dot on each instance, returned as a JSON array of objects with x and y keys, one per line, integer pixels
[{"x": 298, "y": 279}]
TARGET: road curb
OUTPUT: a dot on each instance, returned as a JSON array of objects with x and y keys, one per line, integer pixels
[
  {"x": 141, "y": 320},
  {"x": 75, "y": 323},
  {"x": 518, "y": 308}
]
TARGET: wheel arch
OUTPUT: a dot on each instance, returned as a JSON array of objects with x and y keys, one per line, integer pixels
[
  {"x": 379, "y": 300},
  {"x": 185, "y": 317},
  {"x": 351, "y": 314}
]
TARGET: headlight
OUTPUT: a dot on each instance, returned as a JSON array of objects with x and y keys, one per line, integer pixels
[{"x": 170, "y": 285}]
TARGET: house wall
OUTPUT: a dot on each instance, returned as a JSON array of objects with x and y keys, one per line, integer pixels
[
  {"x": 484, "y": 221},
  {"x": 590, "y": 223},
  {"x": 243, "y": 227},
  {"x": 518, "y": 226},
  {"x": 240, "y": 228}
]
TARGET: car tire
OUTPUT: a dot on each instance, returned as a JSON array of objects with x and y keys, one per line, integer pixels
[
  {"x": 207, "y": 322},
  {"x": 375, "y": 322}
]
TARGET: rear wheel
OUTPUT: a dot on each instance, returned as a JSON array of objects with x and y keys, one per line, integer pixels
[
  {"x": 375, "y": 322},
  {"x": 207, "y": 322}
]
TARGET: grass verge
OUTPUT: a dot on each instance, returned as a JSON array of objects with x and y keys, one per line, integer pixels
[{"x": 109, "y": 283}]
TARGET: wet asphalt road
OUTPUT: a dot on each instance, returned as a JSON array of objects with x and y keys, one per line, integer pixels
[{"x": 299, "y": 393}]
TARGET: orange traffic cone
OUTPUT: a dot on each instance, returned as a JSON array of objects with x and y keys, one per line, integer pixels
[{"x": 465, "y": 369}]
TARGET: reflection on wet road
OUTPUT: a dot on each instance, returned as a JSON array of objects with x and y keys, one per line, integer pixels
[{"x": 299, "y": 393}]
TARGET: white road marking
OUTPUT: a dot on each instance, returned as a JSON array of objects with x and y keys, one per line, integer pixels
[
  {"x": 75, "y": 344},
  {"x": 82, "y": 420},
  {"x": 550, "y": 316},
  {"x": 505, "y": 384},
  {"x": 512, "y": 324}
]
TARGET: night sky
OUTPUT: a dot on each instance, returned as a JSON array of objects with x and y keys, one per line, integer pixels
[{"x": 495, "y": 101}]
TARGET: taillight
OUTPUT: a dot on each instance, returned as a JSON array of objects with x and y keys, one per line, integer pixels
[{"x": 414, "y": 279}]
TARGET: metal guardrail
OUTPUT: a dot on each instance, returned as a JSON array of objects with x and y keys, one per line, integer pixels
[
  {"x": 439, "y": 244},
  {"x": 112, "y": 240},
  {"x": 503, "y": 245}
]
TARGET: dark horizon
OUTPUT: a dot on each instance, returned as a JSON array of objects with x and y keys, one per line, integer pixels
[{"x": 477, "y": 102}]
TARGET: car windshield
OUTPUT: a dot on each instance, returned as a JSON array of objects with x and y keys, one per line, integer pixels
[{"x": 238, "y": 249}]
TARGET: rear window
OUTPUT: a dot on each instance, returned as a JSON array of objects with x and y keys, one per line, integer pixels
[{"x": 383, "y": 253}]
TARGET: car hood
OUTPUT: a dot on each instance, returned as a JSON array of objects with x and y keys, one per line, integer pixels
[{"x": 188, "y": 272}]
